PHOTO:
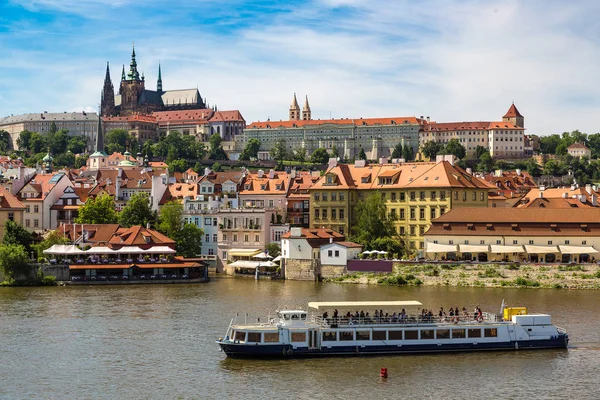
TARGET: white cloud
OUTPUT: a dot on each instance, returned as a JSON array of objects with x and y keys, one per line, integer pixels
[{"x": 450, "y": 60}]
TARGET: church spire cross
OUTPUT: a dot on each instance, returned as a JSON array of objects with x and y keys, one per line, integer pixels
[{"x": 159, "y": 81}]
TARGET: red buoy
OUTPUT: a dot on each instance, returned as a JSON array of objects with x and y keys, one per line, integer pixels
[{"x": 383, "y": 373}]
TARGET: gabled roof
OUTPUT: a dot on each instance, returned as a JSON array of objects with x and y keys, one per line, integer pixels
[
  {"x": 9, "y": 201},
  {"x": 224, "y": 116},
  {"x": 512, "y": 112},
  {"x": 138, "y": 236},
  {"x": 255, "y": 185},
  {"x": 347, "y": 121},
  {"x": 182, "y": 116},
  {"x": 95, "y": 233},
  {"x": 42, "y": 184},
  {"x": 577, "y": 146}
]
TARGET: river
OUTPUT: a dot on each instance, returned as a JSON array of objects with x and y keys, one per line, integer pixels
[{"x": 157, "y": 342}]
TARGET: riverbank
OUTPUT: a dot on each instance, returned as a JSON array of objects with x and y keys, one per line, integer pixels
[{"x": 556, "y": 276}]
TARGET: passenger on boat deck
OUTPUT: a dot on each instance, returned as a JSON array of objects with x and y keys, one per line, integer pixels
[
  {"x": 441, "y": 313},
  {"x": 376, "y": 314},
  {"x": 362, "y": 313},
  {"x": 335, "y": 313},
  {"x": 451, "y": 312},
  {"x": 357, "y": 314},
  {"x": 325, "y": 315},
  {"x": 380, "y": 313},
  {"x": 348, "y": 315},
  {"x": 465, "y": 312}
]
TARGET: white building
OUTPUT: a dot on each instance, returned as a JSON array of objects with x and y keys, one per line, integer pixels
[{"x": 338, "y": 253}]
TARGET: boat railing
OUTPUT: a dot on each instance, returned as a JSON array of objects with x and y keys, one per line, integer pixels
[{"x": 335, "y": 322}]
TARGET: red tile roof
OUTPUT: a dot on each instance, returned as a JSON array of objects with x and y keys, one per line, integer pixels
[
  {"x": 8, "y": 201},
  {"x": 512, "y": 112},
  {"x": 182, "y": 116},
  {"x": 347, "y": 121}
]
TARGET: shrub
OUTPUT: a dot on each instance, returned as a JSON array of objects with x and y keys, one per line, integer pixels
[
  {"x": 513, "y": 267},
  {"x": 570, "y": 268},
  {"x": 49, "y": 280},
  {"x": 526, "y": 282}
]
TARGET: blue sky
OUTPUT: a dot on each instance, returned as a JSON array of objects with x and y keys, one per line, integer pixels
[{"x": 450, "y": 60}]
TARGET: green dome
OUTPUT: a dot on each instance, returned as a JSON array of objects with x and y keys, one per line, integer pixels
[{"x": 47, "y": 158}]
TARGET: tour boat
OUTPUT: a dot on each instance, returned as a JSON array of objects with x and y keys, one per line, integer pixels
[{"x": 388, "y": 327}]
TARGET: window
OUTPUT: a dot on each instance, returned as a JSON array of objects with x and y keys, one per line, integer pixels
[
  {"x": 324, "y": 196},
  {"x": 412, "y": 230},
  {"x": 474, "y": 333},
  {"x": 11, "y": 216},
  {"x": 215, "y": 238},
  {"x": 333, "y": 212},
  {"x": 347, "y": 336},
  {"x": 395, "y": 335},
  {"x": 402, "y": 196},
  {"x": 442, "y": 195},
  {"x": 329, "y": 337},
  {"x": 531, "y": 242},
  {"x": 329, "y": 253},
  {"x": 337, "y": 253},
  {"x": 464, "y": 196},
  {"x": 36, "y": 223},
  {"x": 316, "y": 196},
  {"x": 567, "y": 241},
  {"x": 422, "y": 195},
  {"x": 27, "y": 209},
  {"x": 482, "y": 242},
  {"x": 36, "y": 209},
  {"x": 324, "y": 213},
  {"x": 235, "y": 237},
  {"x": 427, "y": 334},
  {"x": 27, "y": 223},
  {"x": 342, "y": 196},
  {"x": 412, "y": 213},
  {"x": 421, "y": 231},
  {"x": 257, "y": 238},
  {"x": 341, "y": 213},
  {"x": 492, "y": 332},
  {"x": 317, "y": 216},
  {"x": 515, "y": 242},
  {"x": 207, "y": 238},
  {"x": 549, "y": 241},
  {"x": 498, "y": 241},
  {"x": 466, "y": 242},
  {"x": 333, "y": 197},
  {"x": 298, "y": 336},
  {"x": 455, "y": 195},
  {"x": 211, "y": 252},
  {"x": 393, "y": 196},
  {"x": 363, "y": 335},
  {"x": 271, "y": 337},
  {"x": 411, "y": 335},
  {"x": 379, "y": 335},
  {"x": 442, "y": 211},
  {"x": 433, "y": 195},
  {"x": 253, "y": 337},
  {"x": 402, "y": 213},
  {"x": 482, "y": 196},
  {"x": 412, "y": 195},
  {"x": 474, "y": 196},
  {"x": 422, "y": 213},
  {"x": 443, "y": 334},
  {"x": 207, "y": 221},
  {"x": 584, "y": 242},
  {"x": 246, "y": 238},
  {"x": 458, "y": 334},
  {"x": 450, "y": 241}
]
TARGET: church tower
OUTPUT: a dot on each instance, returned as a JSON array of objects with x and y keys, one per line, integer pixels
[
  {"x": 159, "y": 81},
  {"x": 514, "y": 117},
  {"x": 294, "y": 110},
  {"x": 306, "y": 110},
  {"x": 131, "y": 88},
  {"x": 107, "y": 102}
]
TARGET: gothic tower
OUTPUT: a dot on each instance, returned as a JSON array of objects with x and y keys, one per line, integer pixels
[
  {"x": 306, "y": 110},
  {"x": 159, "y": 81},
  {"x": 131, "y": 89},
  {"x": 294, "y": 110},
  {"x": 107, "y": 102},
  {"x": 514, "y": 117}
]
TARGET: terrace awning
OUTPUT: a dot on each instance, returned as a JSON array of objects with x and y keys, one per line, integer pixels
[
  {"x": 541, "y": 249},
  {"x": 246, "y": 264},
  {"x": 474, "y": 248},
  {"x": 64, "y": 249},
  {"x": 161, "y": 250},
  {"x": 101, "y": 250},
  {"x": 564, "y": 249},
  {"x": 440, "y": 248},
  {"x": 497, "y": 248},
  {"x": 243, "y": 252}
]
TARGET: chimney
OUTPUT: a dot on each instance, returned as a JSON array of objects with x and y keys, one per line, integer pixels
[
  {"x": 296, "y": 232},
  {"x": 207, "y": 171},
  {"x": 439, "y": 158},
  {"x": 573, "y": 187},
  {"x": 331, "y": 240},
  {"x": 588, "y": 188},
  {"x": 594, "y": 200},
  {"x": 332, "y": 163},
  {"x": 271, "y": 173},
  {"x": 518, "y": 171},
  {"x": 541, "y": 194},
  {"x": 260, "y": 173},
  {"x": 470, "y": 171},
  {"x": 428, "y": 120},
  {"x": 293, "y": 173}
]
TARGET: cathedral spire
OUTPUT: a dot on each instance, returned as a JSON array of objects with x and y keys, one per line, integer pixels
[
  {"x": 133, "y": 72},
  {"x": 294, "y": 109},
  {"x": 306, "y": 114},
  {"x": 107, "y": 76},
  {"x": 107, "y": 103},
  {"x": 123, "y": 77},
  {"x": 159, "y": 81}
]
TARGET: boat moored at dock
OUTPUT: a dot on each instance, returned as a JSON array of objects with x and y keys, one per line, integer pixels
[{"x": 394, "y": 327}]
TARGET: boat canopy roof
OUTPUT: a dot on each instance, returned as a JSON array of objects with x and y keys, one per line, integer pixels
[{"x": 354, "y": 304}]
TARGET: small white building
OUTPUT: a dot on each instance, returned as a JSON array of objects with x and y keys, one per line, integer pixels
[
  {"x": 338, "y": 253},
  {"x": 304, "y": 243}
]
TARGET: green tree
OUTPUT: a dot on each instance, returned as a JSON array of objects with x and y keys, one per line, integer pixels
[
  {"x": 551, "y": 168},
  {"x": 137, "y": 211},
  {"x": 216, "y": 149},
  {"x": 37, "y": 143},
  {"x": 170, "y": 220},
  {"x": 77, "y": 144},
  {"x": 319, "y": 156},
  {"x": 408, "y": 153},
  {"x": 5, "y": 141},
  {"x": 361, "y": 154},
  {"x": 216, "y": 167},
  {"x": 533, "y": 168},
  {"x": 335, "y": 153},
  {"x": 548, "y": 144},
  {"x": 561, "y": 149},
  {"x": 147, "y": 148},
  {"x": 80, "y": 161},
  {"x": 189, "y": 240},
  {"x": 115, "y": 140},
  {"x": 15, "y": 233},
  {"x": 14, "y": 261},
  {"x": 279, "y": 153},
  {"x": 455, "y": 148},
  {"x": 54, "y": 237},
  {"x": 57, "y": 141},
  {"x": 372, "y": 221},
  {"x": 179, "y": 165},
  {"x": 273, "y": 249},
  {"x": 24, "y": 140},
  {"x": 431, "y": 149},
  {"x": 479, "y": 151},
  {"x": 398, "y": 150},
  {"x": 486, "y": 162},
  {"x": 99, "y": 210},
  {"x": 64, "y": 160},
  {"x": 250, "y": 151},
  {"x": 392, "y": 245},
  {"x": 300, "y": 155}
]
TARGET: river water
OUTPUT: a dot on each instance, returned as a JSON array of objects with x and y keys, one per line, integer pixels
[{"x": 157, "y": 342}]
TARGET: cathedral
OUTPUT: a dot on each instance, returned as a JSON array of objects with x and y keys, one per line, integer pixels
[{"x": 134, "y": 98}]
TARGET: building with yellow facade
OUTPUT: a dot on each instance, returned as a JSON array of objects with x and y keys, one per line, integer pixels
[{"x": 415, "y": 193}]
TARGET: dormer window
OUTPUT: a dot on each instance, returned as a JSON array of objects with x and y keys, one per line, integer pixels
[
  {"x": 263, "y": 186},
  {"x": 247, "y": 186}
]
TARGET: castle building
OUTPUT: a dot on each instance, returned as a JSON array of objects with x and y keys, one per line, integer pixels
[{"x": 134, "y": 98}]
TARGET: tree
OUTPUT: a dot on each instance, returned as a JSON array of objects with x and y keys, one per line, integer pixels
[
  {"x": 548, "y": 144},
  {"x": 392, "y": 245},
  {"x": 57, "y": 141},
  {"x": 179, "y": 165},
  {"x": 335, "y": 153},
  {"x": 300, "y": 155},
  {"x": 561, "y": 149},
  {"x": 99, "y": 210},
  {"x": 137, "y": 211},
  {"x": 24, "y": 140},
  {"x": 80, "y": 161},
  {"x": 54, "y": 237},
  {"x": 5, "y": 141},
  {"x": 408, "y": 153},
  {"x": 64, "y": 160},
  {"x": 319, "y": 156},
  {"x": 279, "y": 152},
  {"x": 216, "y": 167},
  {"x": 170, "y": 220},
  {"x": 273, "y": 249},
  {"x": 14, "y": 261},
  {"x": 455, "y": 148},
  {"x": 77, "y": 144},
  {"x": 397, "y": 153},
  {"x": 479, "y": 151},
  {"x": 115, "y": 140},
  {"x": 361, "y": 154},
  {"x": 250, "y": 150},
  {"x": 216, "y": 150},
  {"x": 15, "y": 233},
  {"x": 551, "y": 168},
  {"x": 431, "y": 149},
  {"x": 533, "y": 168},
  {"x": 486, "y": 162},
  {"x": 188, "y": 237},
  {"x": 372, "y": 221},
  {"x": 189, "y": 240}
]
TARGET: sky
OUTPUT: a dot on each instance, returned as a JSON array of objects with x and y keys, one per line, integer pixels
[{"x": 463, "y": 60}]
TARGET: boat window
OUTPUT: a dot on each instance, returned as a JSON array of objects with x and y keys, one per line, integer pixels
[
  {"x": 286, "y": 317},
  {"x": 443, "y": 333},
  {"x": 298, "y": 336},
  {"x": 303, "y": 317},
  {"x": 347, "y": 336},
  {"x": 411, "y": 335},
  {"x": 492, "y": 332},
  {"x": 295, "y": 317},
  {"x": 473, "y": 333},
  {"x": 427, "y": 334},
  {"x": 239, "y": 335},
  {"x": 253, "y": 337},
  {"x": 329, "y": 337},
  {"x": 363, "y": 335},
  {"x": 271, "y": 337},
  {"x": 379, "y": 335},
  {"x": 395, "y": 335},
  {"x": 458, "y": 334}
]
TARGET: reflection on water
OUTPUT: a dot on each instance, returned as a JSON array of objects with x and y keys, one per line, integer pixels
[{"x": 158, "y": 342}]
